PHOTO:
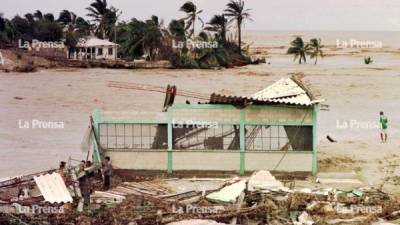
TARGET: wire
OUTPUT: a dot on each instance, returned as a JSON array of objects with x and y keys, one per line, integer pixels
[{"x": 294, "y": 137}]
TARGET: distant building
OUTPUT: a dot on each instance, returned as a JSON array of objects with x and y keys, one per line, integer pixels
[{"x": 94, "y": 48}]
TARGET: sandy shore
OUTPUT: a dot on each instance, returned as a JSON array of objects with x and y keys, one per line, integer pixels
[{"x": 355, "y": 93}]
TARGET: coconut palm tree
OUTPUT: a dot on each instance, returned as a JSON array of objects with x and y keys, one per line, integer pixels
[
  {"x": 74, "y": 23},
  {"x": 152, "y": 38},
  {"x": 299, "y": 49},
  {"x": 74, "y": 28},
  {"x": 219, "y": 24},
  {"x": 236, "y": 11},
  {"x": 315, "y": 49},
  {"x": 105, "y": 17},
  {"x": 192, "y": 15},
  {"x": 177, "y": 29}
]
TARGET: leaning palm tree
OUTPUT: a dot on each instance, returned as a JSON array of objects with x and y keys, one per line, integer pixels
[
  {"x": 299, "y": 49},
  {"x": 105, "y": 17},
  {"x": 236, "y": 11},
  {"x": 218, "y": 24},
  {"x": 192, "y": 15},
  {"x": 315, "y": 49}
]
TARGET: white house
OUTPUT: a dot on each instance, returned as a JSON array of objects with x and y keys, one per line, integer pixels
[{"x": 95, "y": 48}]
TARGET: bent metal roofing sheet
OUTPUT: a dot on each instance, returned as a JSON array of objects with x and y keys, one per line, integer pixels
[
  {"x": 285, "y": 91},
  {"x": 53, "y": 188}
]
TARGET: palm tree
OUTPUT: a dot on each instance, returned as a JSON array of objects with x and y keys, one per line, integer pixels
[
  {"x": 315, "y": 49},
  {"x": 105, "y": 17},
  {"x": 192, "y": 15},
  {"x": 74, "y": 23},
  {"x": 177, "y": 29},
  {"x": 137, "y": 38},
  {"x": 218, "y": 24},
  {"x": 74, "y": 28},
  {"x": 299, "y": 49},
  {"x": 235, "y": 9},
  {"x": 152, "y": 38},
  {"x": 38, "y": 15}
]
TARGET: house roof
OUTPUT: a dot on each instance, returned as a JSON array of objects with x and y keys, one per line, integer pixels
[
  {"x": 284, "y": 91},
  {"x": 53, "y": 188},
  {"x": 95, "y": 42}
]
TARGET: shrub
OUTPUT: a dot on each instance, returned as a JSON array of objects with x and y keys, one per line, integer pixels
[{"x": 368, "y": 60}]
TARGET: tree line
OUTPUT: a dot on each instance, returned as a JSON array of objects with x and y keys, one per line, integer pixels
[{"x": 136, "y": 37}]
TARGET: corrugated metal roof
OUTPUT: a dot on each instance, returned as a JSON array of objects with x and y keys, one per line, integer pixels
[
  {"x": 283, "y": 91},
  {"x": 53, "y": 188}
]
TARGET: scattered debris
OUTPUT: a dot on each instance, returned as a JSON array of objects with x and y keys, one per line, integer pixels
[
  {"x": 53, "y": 188},
  {"x": 229, "y": 193},
  {"x": 196, "y": 222},
  {"x": 263, "y": 180},
  {"x": 259, "y": 199},
  {"x": 330, "y": 139}
]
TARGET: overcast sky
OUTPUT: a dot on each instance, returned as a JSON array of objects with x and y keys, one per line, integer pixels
[{"x": 267, "y": 14}]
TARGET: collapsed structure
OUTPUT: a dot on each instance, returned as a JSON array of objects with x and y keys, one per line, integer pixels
[{"x": 274, "y": 129}]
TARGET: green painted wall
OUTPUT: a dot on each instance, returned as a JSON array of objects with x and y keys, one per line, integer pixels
[{"x": 229, "y": 115}]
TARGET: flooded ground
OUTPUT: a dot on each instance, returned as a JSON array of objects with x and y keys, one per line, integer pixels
[{"x": 355, "y": 93}]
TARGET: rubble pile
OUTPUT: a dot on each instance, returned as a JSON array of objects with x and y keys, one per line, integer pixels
[{"x": 259, "y": 199}]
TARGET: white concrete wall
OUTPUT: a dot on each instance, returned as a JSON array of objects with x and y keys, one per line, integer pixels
[
  {"x": 211, "y": 160},
  {"x": 105, "y": 54},
  {"x": 215, "y": 160},
  {"x": 149, "y": 160},
  {"x": 293, "y": 161}
]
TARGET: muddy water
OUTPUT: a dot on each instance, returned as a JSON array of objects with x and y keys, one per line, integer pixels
[{"x": 355, "y": 93}]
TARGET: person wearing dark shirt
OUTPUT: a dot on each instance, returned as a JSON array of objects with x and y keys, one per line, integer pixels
[{"x": 107, "y": 172}]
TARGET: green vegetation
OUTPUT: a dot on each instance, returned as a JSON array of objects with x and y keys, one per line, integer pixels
[
  {"x": 368, "y": 60},
  {"x": 178, "y": 42},
  {"x": 300, "y": 49},
  {"x": 236, "y": 11},
  {"x": 219, "y": 25},
  {"x": 105, "y": 18},
  {"x": 192, "y": 16},
  {"x": 74, "y": 28},
  {"x": 315, "y": 49}
]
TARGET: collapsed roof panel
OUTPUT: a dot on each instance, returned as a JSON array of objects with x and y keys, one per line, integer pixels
[
  {"x": 284, "y": 91},
  {"x": 53, "y": 188}
]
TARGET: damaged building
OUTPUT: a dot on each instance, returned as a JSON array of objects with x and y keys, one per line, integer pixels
[{"x": 274, "y": 129}]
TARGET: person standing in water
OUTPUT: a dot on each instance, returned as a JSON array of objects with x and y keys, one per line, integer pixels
[{"x": 383, "y": 122}]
